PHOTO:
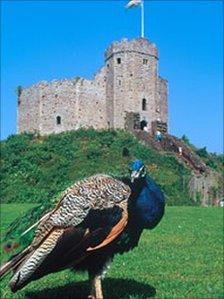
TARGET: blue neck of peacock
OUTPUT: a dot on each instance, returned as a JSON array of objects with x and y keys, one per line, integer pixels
[{"x": 150, "y": 202}]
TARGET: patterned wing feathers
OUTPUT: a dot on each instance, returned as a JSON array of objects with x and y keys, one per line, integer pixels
[
  {"x": 99, "y": 192},
  {"x": 96, "y": 192},
  {"x": 34, "y": 260}
]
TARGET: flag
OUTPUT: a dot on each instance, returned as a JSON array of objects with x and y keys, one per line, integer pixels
[{"x": 133, "y": 3}]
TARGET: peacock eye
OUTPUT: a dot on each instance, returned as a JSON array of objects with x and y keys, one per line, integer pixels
[{"x": 143, "y": 170}]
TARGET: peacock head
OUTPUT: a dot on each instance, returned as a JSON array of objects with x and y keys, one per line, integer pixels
[{"x": 137, "y": 170}]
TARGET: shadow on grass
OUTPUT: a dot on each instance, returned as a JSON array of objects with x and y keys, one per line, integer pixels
[{"x": 112, "y": 288}]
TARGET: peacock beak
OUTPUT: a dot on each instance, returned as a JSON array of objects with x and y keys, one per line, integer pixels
[{"x": 134, "y": 175}]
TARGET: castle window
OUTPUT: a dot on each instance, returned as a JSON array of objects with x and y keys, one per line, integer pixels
[
  {"x": 58, "y": 120},
  {"x": 119, "y": 82},
  {"x": 145, "y": 61},
  {"x": 118, "y": 60},
  {"x": 144, "y": 105}
]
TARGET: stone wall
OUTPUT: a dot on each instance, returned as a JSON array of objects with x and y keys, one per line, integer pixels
[
  {"x": 57, "y": 99},
  {"x": 63, "y": 105},
  {"x": 161, "y": 100},
  {"x": 128, "y": 82},
  {"x": 132, "y": 79},
  {"x": 202, "y": 188},
  {"x": 92, "y": 102},
  {"x": 28, "y": 110}
]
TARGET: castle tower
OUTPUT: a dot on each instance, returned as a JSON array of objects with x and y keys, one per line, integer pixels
[
  {"x": 125, "y": 93},
  {"x": 133, "y": 84}
]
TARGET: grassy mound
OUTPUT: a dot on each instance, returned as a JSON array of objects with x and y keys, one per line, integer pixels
[{"x": 37, "y": 169}]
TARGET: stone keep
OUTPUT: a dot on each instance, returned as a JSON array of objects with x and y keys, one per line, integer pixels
[{"x": 127, "y": 84}]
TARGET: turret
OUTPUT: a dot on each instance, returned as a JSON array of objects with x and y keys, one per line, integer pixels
[{"x": 131, "y": 85}]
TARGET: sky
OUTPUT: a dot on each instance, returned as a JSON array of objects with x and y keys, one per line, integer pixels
[{"x": 47, "y": 40}]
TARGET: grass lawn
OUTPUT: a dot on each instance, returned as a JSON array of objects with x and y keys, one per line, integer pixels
[{"x": 181, "y": 258}]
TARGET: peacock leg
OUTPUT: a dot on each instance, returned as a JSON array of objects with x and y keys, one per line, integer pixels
[{"x": 96, "y": 288}]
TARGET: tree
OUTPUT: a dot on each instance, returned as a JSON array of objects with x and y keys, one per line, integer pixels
[
  {"x": 185, "y": 139},
  {"x": 202, "y": 152}
]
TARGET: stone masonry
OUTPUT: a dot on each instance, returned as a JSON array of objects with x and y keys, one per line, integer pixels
[{"x": 127, "y": 83}]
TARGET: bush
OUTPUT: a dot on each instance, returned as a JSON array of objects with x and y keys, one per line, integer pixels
[{"x": 202, "y": 152}]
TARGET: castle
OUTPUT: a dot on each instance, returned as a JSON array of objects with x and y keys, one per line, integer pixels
[{"x": 125, "y": 93}]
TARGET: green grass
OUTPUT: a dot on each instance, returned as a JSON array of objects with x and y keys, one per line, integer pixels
[
  {"x": 39, "y": 168},
  {"x": 181, "y": 258},
  {"x": 10, "y": 211}
]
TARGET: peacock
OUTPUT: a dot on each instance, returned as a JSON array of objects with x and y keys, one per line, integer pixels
[{"x": 95, "y": 219}]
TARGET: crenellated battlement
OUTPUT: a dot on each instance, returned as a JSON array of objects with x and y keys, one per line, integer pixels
[{"x": 138, "y": 45}]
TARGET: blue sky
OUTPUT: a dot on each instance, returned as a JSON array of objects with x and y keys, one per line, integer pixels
[{"x": 46, "y": 40}]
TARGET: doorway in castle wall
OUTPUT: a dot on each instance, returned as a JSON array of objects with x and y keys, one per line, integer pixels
[{"x": 143, "y": 124}]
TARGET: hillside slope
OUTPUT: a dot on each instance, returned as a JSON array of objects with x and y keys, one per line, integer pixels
[{"x": 36, "y": 169}]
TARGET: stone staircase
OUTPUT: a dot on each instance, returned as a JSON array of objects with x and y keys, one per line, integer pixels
[
  {"x": 203, "y": 180},
  {"x": 171, "y": 144}
]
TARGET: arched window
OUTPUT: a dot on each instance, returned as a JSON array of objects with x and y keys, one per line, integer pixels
[
  {"x": 144, "y": 105},
  {"x": 58, "y": 120}
]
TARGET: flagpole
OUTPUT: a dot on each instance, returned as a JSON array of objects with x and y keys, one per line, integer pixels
[{"x": 142, "y": 19}]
